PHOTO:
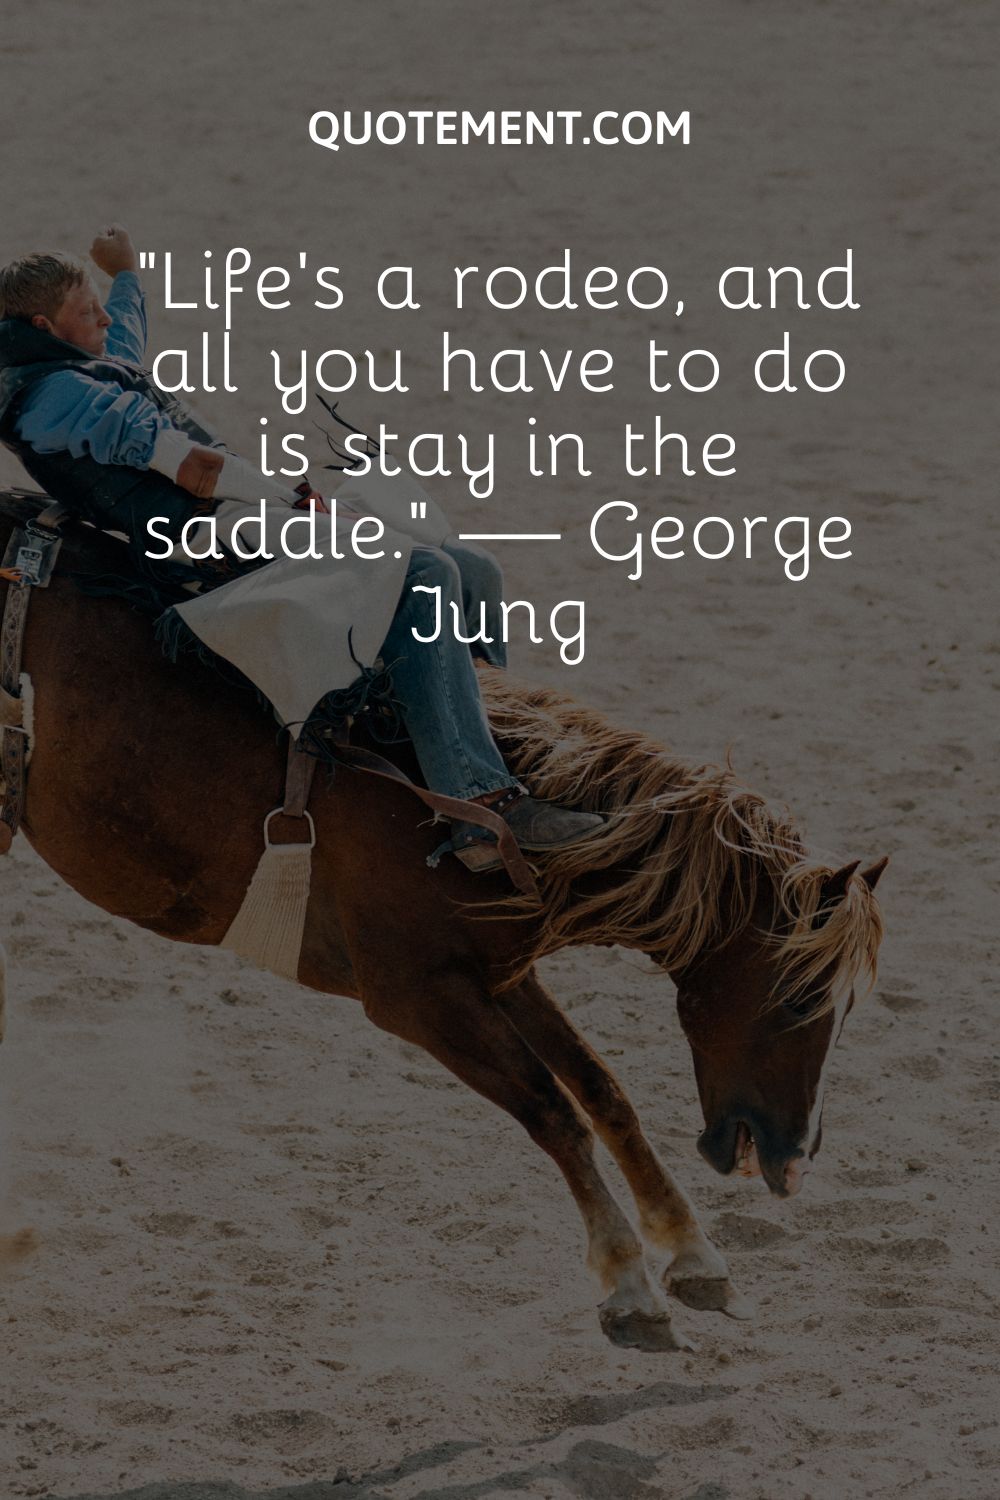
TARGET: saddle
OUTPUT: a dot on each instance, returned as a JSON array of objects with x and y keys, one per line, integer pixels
[{"x": 33, "y": 549}]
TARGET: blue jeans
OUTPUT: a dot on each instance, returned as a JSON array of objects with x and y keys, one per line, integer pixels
[{"x": 435, "y": 681}]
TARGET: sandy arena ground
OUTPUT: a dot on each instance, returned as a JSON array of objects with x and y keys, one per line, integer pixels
[{"x": 280, "y": 1251}]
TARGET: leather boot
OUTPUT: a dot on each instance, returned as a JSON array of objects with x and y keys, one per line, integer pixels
[{"x": 537, "y": 826}]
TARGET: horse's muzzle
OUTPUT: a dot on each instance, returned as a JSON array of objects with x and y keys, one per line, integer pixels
[{"x": 735, "y": 1142}]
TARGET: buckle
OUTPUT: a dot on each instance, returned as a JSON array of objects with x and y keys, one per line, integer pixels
[{"x": 299, "y": 843}]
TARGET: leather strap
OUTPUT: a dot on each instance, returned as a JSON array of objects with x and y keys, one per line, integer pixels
[
  {"x": 451, "y": 807},
  {"x": 11, "y": 710},
  {"x": 299, "y": 771},
  {"x": 12, "y": 741}
]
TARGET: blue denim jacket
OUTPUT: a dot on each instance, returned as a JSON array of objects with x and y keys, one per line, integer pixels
[{"x": 70, "y": 412}]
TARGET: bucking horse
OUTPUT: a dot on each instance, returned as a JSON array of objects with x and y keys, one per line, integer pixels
[{"x": 148, "y": 784}]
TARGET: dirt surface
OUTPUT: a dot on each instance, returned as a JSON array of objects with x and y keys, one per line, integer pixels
[{"x": 282, "y": 1255}]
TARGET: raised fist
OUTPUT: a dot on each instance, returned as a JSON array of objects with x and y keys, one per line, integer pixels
[{"x": 113, "y": 251}]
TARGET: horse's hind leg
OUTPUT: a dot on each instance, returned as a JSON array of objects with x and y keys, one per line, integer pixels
[
  {"x": 455, "y": 1018},
  {"x": 697, "y": 1273}
]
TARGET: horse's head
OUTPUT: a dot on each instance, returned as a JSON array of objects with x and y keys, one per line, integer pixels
[
  {"x": 700, "y": 873},
  {"x": 761, "y": 1029}
]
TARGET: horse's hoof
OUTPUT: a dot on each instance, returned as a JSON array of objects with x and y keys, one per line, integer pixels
[
  {"x": 651, "y": 1332},
  {"x": 710, "y": 1294}
]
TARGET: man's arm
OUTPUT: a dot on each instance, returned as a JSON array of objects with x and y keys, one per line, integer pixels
[
  {"x": 70, "y": 412},
  {"x": 126, "y": 307},
  {"x": 114, "y": 253}
]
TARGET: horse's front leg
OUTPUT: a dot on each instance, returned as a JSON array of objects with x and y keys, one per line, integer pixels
[
  {"x": 454, "y": 1017},
  {"x": 696, "y": 1272}
]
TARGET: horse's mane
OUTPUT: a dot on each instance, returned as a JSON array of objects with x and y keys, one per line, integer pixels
[{"x": 691, "y": 847}]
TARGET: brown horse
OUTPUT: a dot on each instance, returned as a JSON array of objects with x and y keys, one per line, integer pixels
[{"x": 147, "y": 790}]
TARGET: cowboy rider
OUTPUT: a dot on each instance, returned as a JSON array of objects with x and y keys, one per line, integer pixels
[{"x": 90, "y": 425}]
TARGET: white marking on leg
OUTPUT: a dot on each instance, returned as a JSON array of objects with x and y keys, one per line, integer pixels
[{"x": 633, "y": 1291}]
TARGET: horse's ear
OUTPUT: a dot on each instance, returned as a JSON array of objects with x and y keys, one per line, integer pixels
[
  {"x": 871, "y": 875},
  {"x": 834, "y": 886}
]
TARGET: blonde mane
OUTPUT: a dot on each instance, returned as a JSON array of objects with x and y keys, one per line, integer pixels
[{"x": 690, "y": 846}]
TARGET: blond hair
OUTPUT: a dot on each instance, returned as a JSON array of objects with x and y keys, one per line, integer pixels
[{"x": 38, "y": 283}]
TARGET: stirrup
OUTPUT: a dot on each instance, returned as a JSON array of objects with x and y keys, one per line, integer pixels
[{"x": 469, "y": 835}]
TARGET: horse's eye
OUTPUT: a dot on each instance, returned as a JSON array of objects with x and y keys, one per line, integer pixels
[{"x": 800, "y": 1006}]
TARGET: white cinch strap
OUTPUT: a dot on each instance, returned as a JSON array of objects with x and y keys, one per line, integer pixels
[{"x": 267, "y": 930}]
